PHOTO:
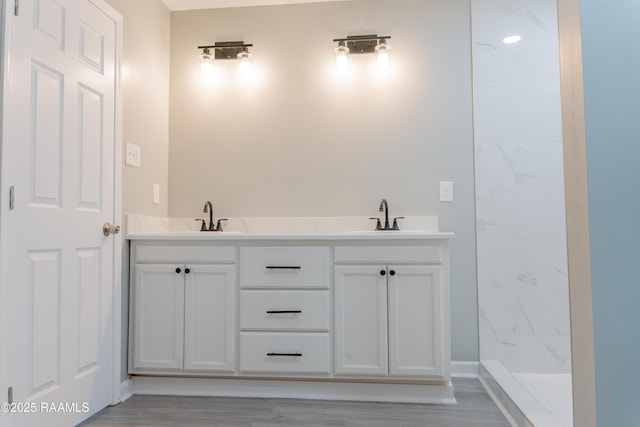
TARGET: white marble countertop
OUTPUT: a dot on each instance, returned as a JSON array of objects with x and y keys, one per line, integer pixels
[
  {"x": 323, "y": 229},
  {"x": 215, "y": 236}
]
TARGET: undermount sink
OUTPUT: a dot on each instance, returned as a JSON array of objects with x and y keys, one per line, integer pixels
[
  {"x": 208, "y": 233},
  {"x": 386, "y": 231}
]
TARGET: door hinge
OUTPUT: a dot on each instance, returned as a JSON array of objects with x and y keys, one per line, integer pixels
[
  {"x": 10, "y": 395},
  {"x": 16, "y": 8},
  {"x": 11, "y": 197}
]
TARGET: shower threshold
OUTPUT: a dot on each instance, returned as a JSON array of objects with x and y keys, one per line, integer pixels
[{"x": 529, "y": 400}]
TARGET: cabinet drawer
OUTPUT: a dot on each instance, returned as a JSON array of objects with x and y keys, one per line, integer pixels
[
  {"x": 182, "y": 253},
  {"x": 284, "y": 310},
  {"x": 284, "y": 353},
  {"x": 284, "y": 267}
]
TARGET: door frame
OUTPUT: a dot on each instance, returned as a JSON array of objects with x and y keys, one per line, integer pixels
[
  {"x": 576, "y": 204},
  {"x": 5, "y": 75}
]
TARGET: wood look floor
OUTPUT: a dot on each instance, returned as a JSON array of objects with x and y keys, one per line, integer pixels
[{"x": 474, "y": 409}]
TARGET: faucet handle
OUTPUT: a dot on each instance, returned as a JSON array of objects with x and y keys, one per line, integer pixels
[
  {"x": 378, "y": 224},
  {"x": 203, "y": 227},
  {"x": 219, "y": 224},
  {"x": 395, "y": 223}
]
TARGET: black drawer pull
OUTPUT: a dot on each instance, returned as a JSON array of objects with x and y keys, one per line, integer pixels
[
  {"x": 283, "y": 267},
  {"x": 284, "y": 354},
  {"x": 284, "y": 312},
  {"x": 178, "y": 270}
]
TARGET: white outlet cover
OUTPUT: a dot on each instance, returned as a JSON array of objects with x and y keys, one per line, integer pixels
[
  {"x": 446, "y": 191},
  {"x": 132, "y": 156}
]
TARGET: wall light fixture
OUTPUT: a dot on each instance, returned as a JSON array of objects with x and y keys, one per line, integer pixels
[
  {"x": 342, "y": 53},
  {"x": 372, "y": 43},
  {"x": 225, "y": 50},
  {"x": 207, "y": 61}
]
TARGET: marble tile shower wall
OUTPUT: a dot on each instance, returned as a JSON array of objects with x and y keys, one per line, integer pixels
[{"x": 522, "y": 267}]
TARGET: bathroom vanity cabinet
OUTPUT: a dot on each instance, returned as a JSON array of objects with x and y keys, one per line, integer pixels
[
  {"x": 332, "y": 317},
  {"x": 183, "y": 309},
  {"x": 388, "y": 316}
]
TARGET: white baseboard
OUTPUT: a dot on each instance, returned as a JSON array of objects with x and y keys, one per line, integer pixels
[
  {"x": 465, "y": 369},
  {"x": 126, "y": 389},
  {"x": 314, "y": 390},
  {"x": 247, "y": 388}
]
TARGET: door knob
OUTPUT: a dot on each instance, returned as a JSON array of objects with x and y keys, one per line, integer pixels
[{"x": 108, "y": 229}]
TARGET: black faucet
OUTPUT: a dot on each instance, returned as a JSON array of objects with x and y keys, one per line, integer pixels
[
  {"x": 208, "y": 208},
  {"x": 384, "y": 207}
]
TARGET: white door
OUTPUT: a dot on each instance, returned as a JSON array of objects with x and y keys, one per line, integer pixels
[
  {"x": 361, "y": 320},
  {"x": 58, "y": 278},
  {"x": 415, "y": 325},
  {"x": 210, "y": 318},
  {"x": 158, "y": 317}
]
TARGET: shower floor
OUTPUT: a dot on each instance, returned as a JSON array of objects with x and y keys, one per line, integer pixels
[
  {"x": 529, "y": 400},
  {"x": 553, "y": 391}
]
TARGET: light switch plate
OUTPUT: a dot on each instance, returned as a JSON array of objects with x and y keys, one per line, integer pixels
[
  {"x": 446, "y": 191},
  {"x": 132, "y": 157},
  {"x": 156, "y": 194}
]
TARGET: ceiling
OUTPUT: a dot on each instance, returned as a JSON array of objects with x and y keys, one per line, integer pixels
[{"x": 213, "y": 4}]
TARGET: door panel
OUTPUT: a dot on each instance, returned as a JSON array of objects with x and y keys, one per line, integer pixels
[
  {"x": 92, "y": 48},
  {"x": 43, "y": 354},
  {"x": 48, "y": 19},
  {"x": 89, "y": 314},
  {"x": 47, "y": 104},
  {"x": 91, "y": 148}
]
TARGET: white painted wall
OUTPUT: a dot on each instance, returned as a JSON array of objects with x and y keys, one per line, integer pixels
[
  {"x": 146, "y": 101},
  {"x": 299, "y": 142}
]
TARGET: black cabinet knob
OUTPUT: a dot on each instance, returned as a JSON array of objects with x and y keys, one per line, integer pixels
[
  {"x": 178, "y": 270},
  {"x": 383, "y": 272},
  {"x": 187, "y": 270},
  {"x": 392, "y": 272}
]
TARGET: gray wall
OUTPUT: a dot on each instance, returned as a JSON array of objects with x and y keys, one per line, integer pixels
[
  {"x": 146, "y": 101},
  {"x": 299, "y": 142},
  {"x": 146, "y": 118},
  {"x": 612, "y": 107}
]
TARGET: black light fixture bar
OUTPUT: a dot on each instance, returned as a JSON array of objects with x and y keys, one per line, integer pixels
[
  {"x": 227, "y": 50},
  {"x": 362, "y": 44}
]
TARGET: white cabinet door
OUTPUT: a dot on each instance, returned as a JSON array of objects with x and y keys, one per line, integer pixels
[
  {"x": 415, "y": 321},
  {"x": 158, "y": 317},
  {"x": 210, "y": 318},
  {"x": 361, "y": 320}
]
